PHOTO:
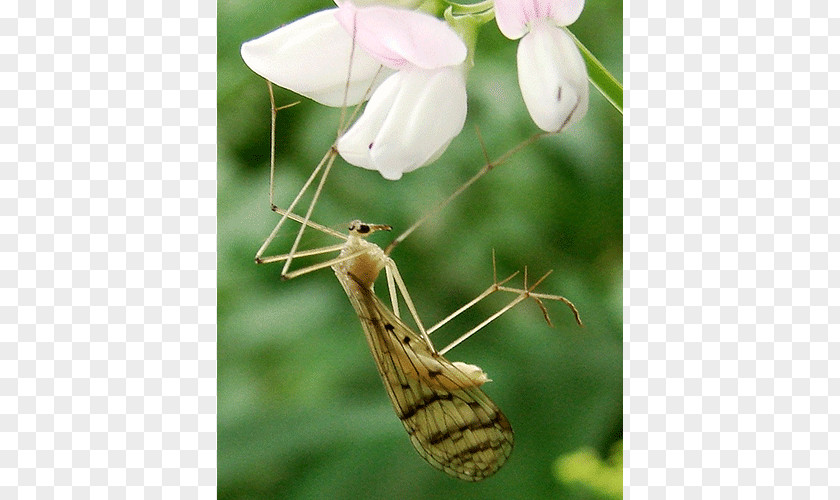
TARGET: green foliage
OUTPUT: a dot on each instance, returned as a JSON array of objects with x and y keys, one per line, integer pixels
[
  {"x": 302, "y": 413},
  {"x": 587, "y": 469}
]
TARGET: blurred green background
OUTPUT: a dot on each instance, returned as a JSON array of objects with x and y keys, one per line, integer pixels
[{"x": 301, "y": 410}]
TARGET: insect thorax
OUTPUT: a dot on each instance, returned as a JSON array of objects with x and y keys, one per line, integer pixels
[{"x": 365, "y": 267}]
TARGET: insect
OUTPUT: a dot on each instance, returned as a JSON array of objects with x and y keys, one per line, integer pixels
[{"x": 451, "y": 422}]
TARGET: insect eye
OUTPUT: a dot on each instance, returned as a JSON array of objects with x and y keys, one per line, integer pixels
[{"x": 363, "y": 228}]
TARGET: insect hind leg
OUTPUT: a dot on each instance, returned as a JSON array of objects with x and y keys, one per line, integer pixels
[{"x": 522, "y": 294}]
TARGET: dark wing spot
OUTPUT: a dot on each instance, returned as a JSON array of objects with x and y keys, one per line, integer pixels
[
  {"x": 457, "y": 433},
  {"x": 422, "y": 403},
  {"x": 474, "y": 405},
  {"x": 559, "y": 93},
  {"x": 406, "y": 340},
  {"x": 467, "y": 453}
]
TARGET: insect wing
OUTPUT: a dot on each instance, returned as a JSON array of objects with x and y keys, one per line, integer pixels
[{"x": 452, "y": 423}]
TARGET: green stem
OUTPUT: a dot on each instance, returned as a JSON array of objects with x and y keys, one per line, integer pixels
[
  {"x": 603, "y": 80},
  {"x": 473, "y": 8}
]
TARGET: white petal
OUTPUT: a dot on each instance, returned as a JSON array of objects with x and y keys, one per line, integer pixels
[
  {"x": 552, "y": 77},
  {"x": 354, "y": 146},
  {"x": 311, "y": 57},
  {"x": 425, "y": 111},
  {"x": 514, "y": 16}
]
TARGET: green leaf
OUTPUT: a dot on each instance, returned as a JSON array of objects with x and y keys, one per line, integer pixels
[{"x": 605, "y": 82}]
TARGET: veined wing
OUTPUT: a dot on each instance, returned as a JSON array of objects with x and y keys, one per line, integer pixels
[{"x": 452, "y": 423}]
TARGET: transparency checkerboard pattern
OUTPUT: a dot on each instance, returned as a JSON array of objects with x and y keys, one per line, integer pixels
[
  {"x": 732, "y": 227},
  {"x": 107, "y": 189}
]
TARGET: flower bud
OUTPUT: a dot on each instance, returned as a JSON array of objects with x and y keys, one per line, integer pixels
[{"x": 552, "y": 77}]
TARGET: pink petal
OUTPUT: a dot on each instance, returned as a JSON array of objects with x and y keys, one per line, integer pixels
[
  {"x": 515, "y": 16},
  {"x": 408, "y": 4},
  {"x": 399, "y": 37}
]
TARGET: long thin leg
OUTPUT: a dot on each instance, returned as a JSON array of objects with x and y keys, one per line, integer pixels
[
  {"x": 302, "y": 253},
  {"x": 495, "y": 287},
  {"x": 522, "y": 295},
  {"x": 274, "y": 110},
  {"x": 345, "y": 121},
  {"x": 328, "y": 160},
  {"x": 332, "y": 154},
  {"x": 498, "y": 286},
  {"x": 395, "y": 282},
  {"x": 314, "y": 225},
  {"x": 288, "y": 213},
  {"x": 259, "y": 259},
  {"x": 392, "y": 290},
  {"x": 322, "y": 265},
  {"x": 484, "y": 323},
  {"x": 488, "y": 166},
  {"x": 395, "y": 273}
]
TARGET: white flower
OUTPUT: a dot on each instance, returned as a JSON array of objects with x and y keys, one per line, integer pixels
[
  {"x": 552, "y": 74},
  {"x": 414, "y": 115},
  {"x": 311, "y": 56},
  {"x": 417, "y": 59}
]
